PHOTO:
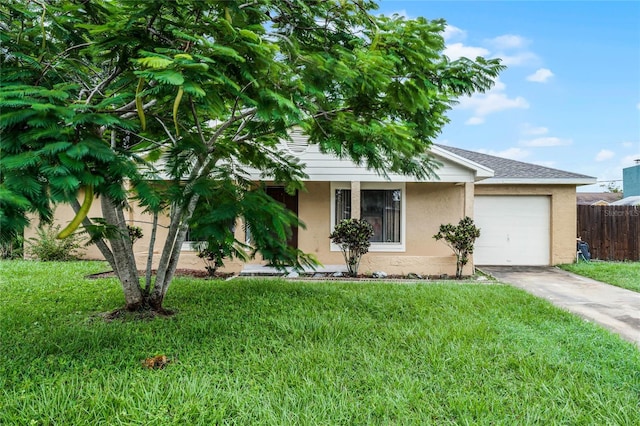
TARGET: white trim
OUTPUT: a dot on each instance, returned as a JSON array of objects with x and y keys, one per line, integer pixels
[
  {"x": 188, "y": 246},
  {"x": 481, "y": 172},
  {"x": 375, "y": 247}
]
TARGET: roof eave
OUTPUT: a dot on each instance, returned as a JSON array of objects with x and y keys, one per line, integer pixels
[
  {"x": 481, "y": 172},
  {"x": 539, "y": 181}
]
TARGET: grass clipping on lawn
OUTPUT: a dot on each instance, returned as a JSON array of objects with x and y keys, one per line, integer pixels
[{"x": 283, "y": 352}]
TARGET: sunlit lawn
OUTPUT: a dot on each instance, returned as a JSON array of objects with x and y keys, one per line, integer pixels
[
  {"x": 280, "y": 352},
  {"x": 621, "y": 274}
]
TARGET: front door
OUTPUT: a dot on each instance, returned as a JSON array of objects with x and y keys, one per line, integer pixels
[{"x": 291, "y": 203}]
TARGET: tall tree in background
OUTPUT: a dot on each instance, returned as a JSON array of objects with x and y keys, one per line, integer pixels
[{"x": 169, "y": 102}]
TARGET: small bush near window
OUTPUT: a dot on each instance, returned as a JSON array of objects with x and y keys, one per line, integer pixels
[
  {"x": 48, "y": 248},
  {"x": 460, "y": 238},
  {"x": 135, "y": 233},
  {"x": 352, "y": 235},
  {"x": 213, "y": 257}
]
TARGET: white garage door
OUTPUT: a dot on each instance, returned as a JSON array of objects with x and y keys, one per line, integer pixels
[{"x": 514, "y": 230}]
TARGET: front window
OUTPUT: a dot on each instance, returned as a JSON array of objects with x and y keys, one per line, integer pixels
[
  {"x": 381, "y": 208},
  {"x": 343, "y": 204},
  {"x": 381, "y": 204},
  {"x": 190, "y": 242}
]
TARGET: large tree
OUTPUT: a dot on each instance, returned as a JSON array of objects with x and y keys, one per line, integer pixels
[{"x": 168, "y": 103}]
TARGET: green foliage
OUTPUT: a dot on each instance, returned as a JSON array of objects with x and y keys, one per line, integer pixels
[
  {"x": 460, "y": 238},
  {"x": 135, "y": 233},
  {"x": 223, "y": 203},
  {"x": 48, "y": 248},
  {"x": 352, "y": 235},
  {"x": 12, "y": 249},
  {"x": 213, "y": 254},
  {"x": 273, "y": 352},
  {"x": 111, "y": 91},
  {"x": 620, "y": 274}
]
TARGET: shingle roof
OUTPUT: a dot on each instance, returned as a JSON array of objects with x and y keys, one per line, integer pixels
[
  {"x": 506, "y": 169},
  {"x": 588, "y": 198}
]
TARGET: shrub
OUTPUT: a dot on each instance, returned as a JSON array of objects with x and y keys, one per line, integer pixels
[
  {"x": 352, "y": 235},
  {"x": 135, "y": 233},
  {"x": 12, "y": 249},
  {"x": 460, "y": 239},
  {"x": 213, "y": 255},
  {"x": 48, "y": 248}
]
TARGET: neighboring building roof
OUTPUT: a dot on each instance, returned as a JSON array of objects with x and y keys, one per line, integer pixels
[
  {"x": 597, "y": 198},
  {"x": 634, "y": 200},
  {"x": 517, "y": 172}
]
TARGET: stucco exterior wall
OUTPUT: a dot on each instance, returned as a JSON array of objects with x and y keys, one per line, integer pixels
[
  {"x": 563, "y": 215},
  {"x": 428, "y": 205},
  {"x": 62, "y": 216}
]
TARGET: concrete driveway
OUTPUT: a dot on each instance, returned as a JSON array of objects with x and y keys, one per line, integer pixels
[{"x": 612, "y": 307}]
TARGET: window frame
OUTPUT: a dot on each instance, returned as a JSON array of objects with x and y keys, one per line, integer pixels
[
  {"x": 189, "y": 245},
  {"x": 379, "y": 247}
]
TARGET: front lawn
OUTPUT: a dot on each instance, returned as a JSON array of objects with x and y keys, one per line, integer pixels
[
  {"x": 281, "y": 352},
  {"x": 620, "y": 274}
]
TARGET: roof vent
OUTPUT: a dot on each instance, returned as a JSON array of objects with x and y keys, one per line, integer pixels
[{"x": 298, "y": 143}]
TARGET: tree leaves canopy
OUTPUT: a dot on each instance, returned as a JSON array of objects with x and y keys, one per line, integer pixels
[{"x": 103, "y": 92}]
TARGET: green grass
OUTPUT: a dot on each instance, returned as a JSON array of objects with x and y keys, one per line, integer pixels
[
  {"x": 280, "y": 352},
  {"x": 620, "y": 274}
]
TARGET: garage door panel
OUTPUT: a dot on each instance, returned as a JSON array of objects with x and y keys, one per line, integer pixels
[{"x": 514, "y": 230}]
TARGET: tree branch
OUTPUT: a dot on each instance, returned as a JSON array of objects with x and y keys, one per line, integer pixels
[
  {"x": 100, "y": 243},
  {"x": 101, "y": 86},
  {"x": 132, "y": 104},
  {"x": 224, "y": 126},
  {"x": 166, "y": 130},
  {"x": 196, "y": 119},
  {"x": 152, "y": 243},
  {"x": 55, "y": 58}
]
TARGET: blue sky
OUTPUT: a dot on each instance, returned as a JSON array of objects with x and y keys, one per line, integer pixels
[{"x": 570, "y": 97}]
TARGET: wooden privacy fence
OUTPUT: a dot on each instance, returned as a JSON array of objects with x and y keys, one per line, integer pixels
[{"x": 612, "y": 232}]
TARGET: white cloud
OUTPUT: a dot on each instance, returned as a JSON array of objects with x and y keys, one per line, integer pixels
[
  {"x": 540, "y": 76},
  {"x": 488, "y": 103},
  {"x": 546, "y": 141},
  {"x": 508, "y": 41},
  {"x": 604, "y": 155},
  {"x": 510, "y": 153},
  {"x": 483, "y": 104},
  {"x": 451, "y": 32},
  {"x": 458, "y": 50},
  {"x": 474, "y": 121},
  {"x": 522, "y": 58},
  {"x": 627, "y": 144},
  {"x": 530, "y": 130},
  {"x": 629, "y": 160},
  {"x": 498, "y": 86}
]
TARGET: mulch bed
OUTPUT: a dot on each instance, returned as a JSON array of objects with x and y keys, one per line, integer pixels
[
  {"x": 192, "y": 273},
  {"x": 202, "y": 274}
]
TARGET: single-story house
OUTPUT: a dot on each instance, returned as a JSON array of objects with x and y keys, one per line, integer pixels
[
  {"x": 632, "y": 200},
  {"x": 597, "y": 198},
  {"x": 526, "y": 213}
]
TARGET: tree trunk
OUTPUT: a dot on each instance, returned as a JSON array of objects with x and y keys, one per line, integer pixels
[
  {"x": 152, "y": 243},
  {"x": 123, "y": 257},
  {"x": 178, "y": 228}
]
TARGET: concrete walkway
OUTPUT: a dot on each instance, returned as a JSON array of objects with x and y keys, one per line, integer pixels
[{"x": 612, "y": 307}]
